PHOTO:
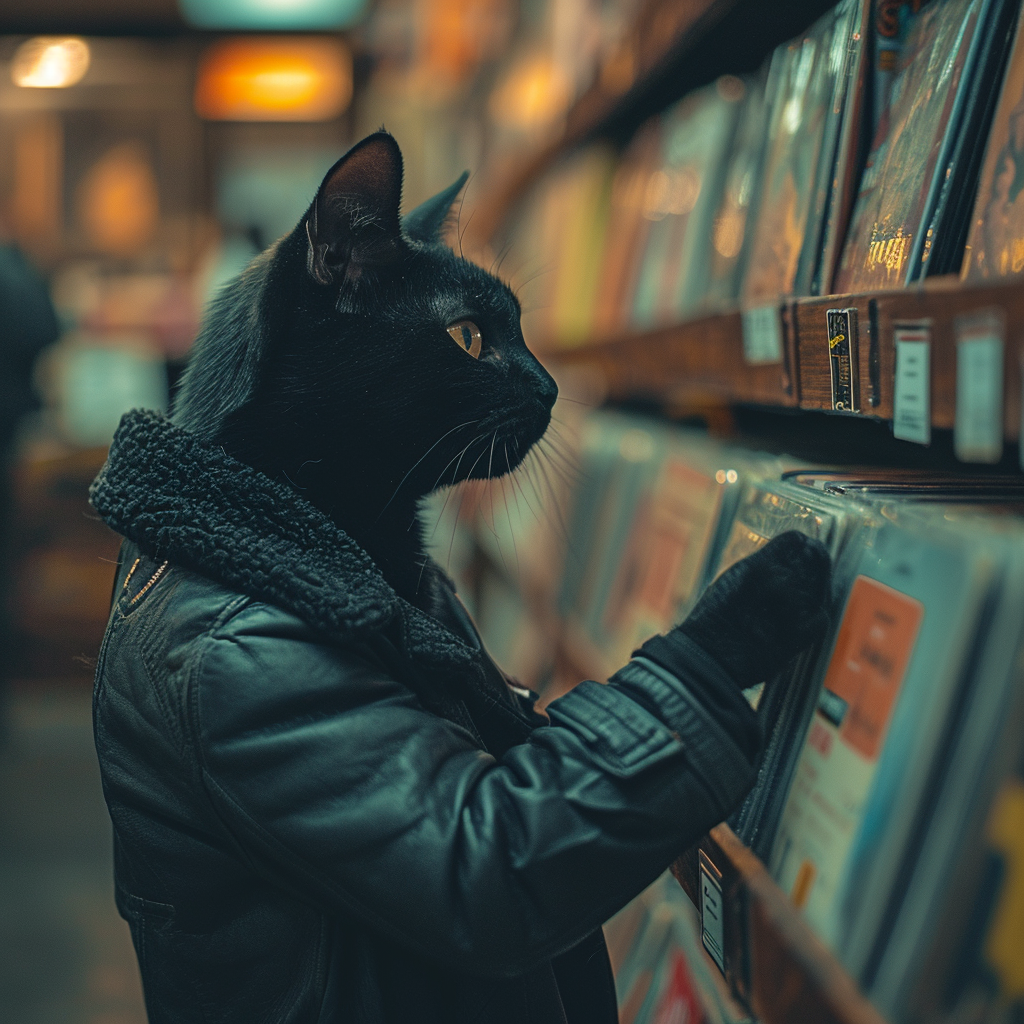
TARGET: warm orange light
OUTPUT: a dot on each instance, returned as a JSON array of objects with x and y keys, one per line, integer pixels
[
  {"x": 535, "y": 92},
  {"x": 274, "y": 80}
]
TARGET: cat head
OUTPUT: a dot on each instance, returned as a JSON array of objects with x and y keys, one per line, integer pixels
[{"x": 362, "y": 346}]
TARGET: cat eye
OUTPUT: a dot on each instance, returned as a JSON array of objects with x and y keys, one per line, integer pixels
[{"x": 467, "y": 336}]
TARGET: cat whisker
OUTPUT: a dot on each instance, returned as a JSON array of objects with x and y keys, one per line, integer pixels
[
  {"x": 418, "y": 461},
  {"x": 558, "y": 462},
  {"x": 511, "y": 532},
  {"x": 451, "y": 460},
  {"x": 452, "y": 486}
]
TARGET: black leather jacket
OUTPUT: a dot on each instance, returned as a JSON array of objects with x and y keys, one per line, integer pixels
[{"x": 330, "y": 806}]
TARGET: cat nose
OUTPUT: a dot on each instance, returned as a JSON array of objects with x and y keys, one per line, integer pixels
[{"x": 546, "y": 388}]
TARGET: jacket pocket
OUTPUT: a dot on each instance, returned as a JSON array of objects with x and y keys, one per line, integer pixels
[{"x": 145, "y": 919}]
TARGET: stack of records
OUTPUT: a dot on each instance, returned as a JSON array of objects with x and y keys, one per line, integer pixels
[
  {"x": 995, "y": 244},
  {"x": 738, "y": 209},
  {"x": 685, "y": 192},
  {"x": 785, "y": 704},
  {"x": 921, "y": 164},
  {"x": 814, "y": 87},
  {"x": 917, "y": 724}
]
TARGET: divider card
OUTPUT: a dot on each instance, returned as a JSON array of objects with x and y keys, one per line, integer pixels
[{"x": 877, "y": 635}]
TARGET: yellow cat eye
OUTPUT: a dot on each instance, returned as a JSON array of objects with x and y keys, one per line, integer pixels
[{"x": 467, "y": 335}]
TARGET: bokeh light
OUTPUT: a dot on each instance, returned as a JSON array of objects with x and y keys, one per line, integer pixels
[
  {"x": 274, "y": 80},
  {"x": 48, "y": 62}
]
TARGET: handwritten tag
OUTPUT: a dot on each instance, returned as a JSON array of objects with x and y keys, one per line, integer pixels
[
  {"x": 762, "y": 335},
  {"x": 978, "y": 430},
  {"x": 712, "y": 911},
  {"x": 912, "y": 394}
]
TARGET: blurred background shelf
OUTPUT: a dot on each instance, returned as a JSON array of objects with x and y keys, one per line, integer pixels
[{"x": 673, "y": 46}]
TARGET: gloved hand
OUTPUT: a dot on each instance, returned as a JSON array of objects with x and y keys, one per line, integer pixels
[
  {"x": 750, "y": 622},
  {"x": 764, "y": 609}
]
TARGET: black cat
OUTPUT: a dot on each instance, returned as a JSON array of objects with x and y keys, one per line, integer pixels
[
  {"x": 365, "y": 363},
  {"x": 329, "y": 804}
]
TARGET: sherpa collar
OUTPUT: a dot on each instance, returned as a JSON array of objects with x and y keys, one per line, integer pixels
[{"x": 181, "y": 498}]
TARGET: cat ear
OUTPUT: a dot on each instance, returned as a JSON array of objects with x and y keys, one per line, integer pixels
[
  {"x": 425, "y": 223},
  {"x": 353, "y": 223}
]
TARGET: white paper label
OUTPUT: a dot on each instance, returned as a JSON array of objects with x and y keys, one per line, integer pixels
[
  {"x": 711, "y": 914},
  {"x": 762, "y": 335},
  {"x": 978, "y": 432},
  {"x": 912, "y": 412}
]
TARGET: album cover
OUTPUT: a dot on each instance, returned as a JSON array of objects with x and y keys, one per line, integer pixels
[
  {"x": 734, "y": 218},
  {"x": 995, "y": 241},
  {"x": 950, "y": 219},
  {"x": 682, "y": 196},
  {"x": 809, "y": 77},
  {"x": 628, "y": 226},
  {"x": 882, "y": 714},
  {"x": 978, "y": 803},
  {"x": 785, "y": 704},
  {"x": 838, "y": 177},
  {"x": 912, "y": 148}
]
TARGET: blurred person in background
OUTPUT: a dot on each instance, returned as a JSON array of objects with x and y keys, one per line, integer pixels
[{"x": 28, "y": 324}]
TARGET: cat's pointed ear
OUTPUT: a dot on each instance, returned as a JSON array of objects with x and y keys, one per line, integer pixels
[
  {"x": 426, "y": 222},
  {"x": 354, "y": 223}
]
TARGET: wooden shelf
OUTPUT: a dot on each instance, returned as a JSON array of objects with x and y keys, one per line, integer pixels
[
  {"x": 775, "y": 964},
  {"x": 702, "y": 361}
]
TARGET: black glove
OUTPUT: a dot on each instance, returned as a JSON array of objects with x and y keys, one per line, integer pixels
[
  {"x": 749, "y": 623},
  {"x": 765, "y": 609}
]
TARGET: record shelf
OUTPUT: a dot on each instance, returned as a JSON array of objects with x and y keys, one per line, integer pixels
[
  {"x": 703, "y": 361},
  {"x": 778, "y": 356}
]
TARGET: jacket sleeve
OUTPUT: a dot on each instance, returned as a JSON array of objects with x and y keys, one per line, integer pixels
[{"x": 342, "y": 788}]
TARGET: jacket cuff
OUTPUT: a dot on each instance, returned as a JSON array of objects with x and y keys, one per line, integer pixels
[
  {"x": 726, "y": 769},
  {"x": 681, "y": 656}
]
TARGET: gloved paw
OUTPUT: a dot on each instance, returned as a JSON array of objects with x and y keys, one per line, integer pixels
[{"x": 765, "y": 609}]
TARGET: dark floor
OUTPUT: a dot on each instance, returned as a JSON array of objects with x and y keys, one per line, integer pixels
[{"x": 65, "y": 955}]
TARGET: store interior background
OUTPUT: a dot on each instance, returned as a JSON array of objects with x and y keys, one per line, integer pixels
[{"x": 136, "y": 175}]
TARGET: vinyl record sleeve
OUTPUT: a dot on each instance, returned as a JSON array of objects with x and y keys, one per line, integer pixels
[
  {"x": 734, "y": 218},
  {"x": 683, "y": 195},
  {"x": 838, "y": 178},
  {"x": 882, "y": 713},
  {"x": 785, "y": 704},
  {"x": 986, "y": 746},
  {"x": 675, "y": 537},
  {"x": 949, "y": 220},
  {"x": 995, "y": 242},
  {"x": 910, "y": 152},
  {"x": 620, "y": 460},
  {"x": 805, "y": 76},
  {"x": 627, "y": 230}
]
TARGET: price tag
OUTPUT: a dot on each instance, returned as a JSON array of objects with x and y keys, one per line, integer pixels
[
  {"x": 841, "y": 325},
  {"x": 978, "y": 431},
  {"x": 912, "y": 394},
  {"x": 762, "y": 335},
  {"x": 712, "y": 911}
]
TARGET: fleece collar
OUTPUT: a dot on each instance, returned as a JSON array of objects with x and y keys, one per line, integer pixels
[{"x": 183, "y": 499}]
